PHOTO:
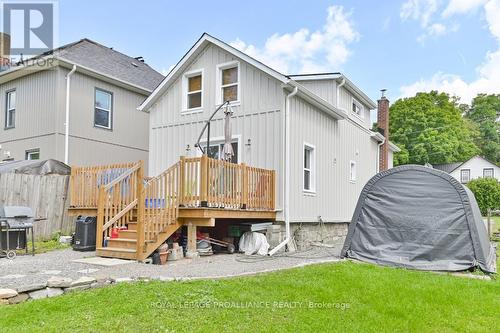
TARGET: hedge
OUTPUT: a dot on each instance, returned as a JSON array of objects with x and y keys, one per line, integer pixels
[{"x": 487, "y": 193}]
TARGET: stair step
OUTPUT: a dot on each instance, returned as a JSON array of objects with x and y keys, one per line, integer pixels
[
  {"x": 112, "y": 252},
  {"x": 122, "y": 243},
  {"x": 132, "y": 226},
  {"x": 127, "y": 234}
]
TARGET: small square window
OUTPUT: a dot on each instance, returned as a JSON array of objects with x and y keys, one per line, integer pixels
[
  {"x": 464, "y": 176},
  {"x": 488, "y": 173},
  {"x": 357, "y": 108},
  {"x": 33, "y": 154}
]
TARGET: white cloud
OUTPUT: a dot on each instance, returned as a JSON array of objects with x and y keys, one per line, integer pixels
[
  {"x": 304, "y": 51},
  {"x": 419, "y": 10},
  {"x": 461, "y": 7},
  {"x": 488, "y": 73}
]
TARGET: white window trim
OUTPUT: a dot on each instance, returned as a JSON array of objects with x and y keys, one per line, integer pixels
[
  {"x": 220, "y": 139},
  {"x": 492, "y": 172},
  {"x": 185, "y": 93},
  {"x": 361, "y": 108},
  {"x": 8, "y": 119},
  {"x": 109, "y": 111},
  {"x": 351, "y": 178},
  {"x": 218, "y": 82},
  {"x": 32, "y": 151},
  {"x": 312, "y": 169},
  {"x": 461, "y": 178}
]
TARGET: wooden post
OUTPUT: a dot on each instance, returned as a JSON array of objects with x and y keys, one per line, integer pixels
[
  {"x": 191, "y": 243},
  {"x": 204, "y": 181},
  {"x": 100, "y": 217},
  {"x": 244, "y": 188},
  {"x": 273, "y": 189},
  {"x": 182, "y": 172},
  {"x": 141, "y": 207}
]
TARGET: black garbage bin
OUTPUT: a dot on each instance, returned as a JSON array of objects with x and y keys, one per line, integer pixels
[{"x": 85, "y": 231}]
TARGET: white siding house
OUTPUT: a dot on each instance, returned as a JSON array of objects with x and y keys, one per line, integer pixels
[
  {"x": 332, "y": 152},
  {"x": 474, "y": 168}
]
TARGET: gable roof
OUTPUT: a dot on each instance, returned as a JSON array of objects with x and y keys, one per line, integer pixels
[
  {"x": 450, "y": 167},
  {"x": 101, "y": 59},
  {"x": 207, "y": 39}
]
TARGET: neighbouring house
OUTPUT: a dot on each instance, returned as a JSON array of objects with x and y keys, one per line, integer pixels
[
  {"x": 313, "y": 130},
  {"x": 97, "y": 87},
  {"x": 475, "y": 167}
]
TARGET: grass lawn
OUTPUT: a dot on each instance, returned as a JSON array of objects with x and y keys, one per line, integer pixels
[
  {"x": 362, "y": 297},
  {"x": 44, "y": 246}
]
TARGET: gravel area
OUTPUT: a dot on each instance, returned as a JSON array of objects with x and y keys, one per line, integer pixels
[{"x": 29, "y": 270}]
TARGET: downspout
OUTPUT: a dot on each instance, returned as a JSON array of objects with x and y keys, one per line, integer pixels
[
  {"x": 66, "y": 125},
  {"x": 378, "y": 154},
  {"x": 338, "y": 91},
  {"x": 286, "y": 166}
]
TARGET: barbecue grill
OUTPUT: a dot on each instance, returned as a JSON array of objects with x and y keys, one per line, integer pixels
[{"x": 15, "y": 223}]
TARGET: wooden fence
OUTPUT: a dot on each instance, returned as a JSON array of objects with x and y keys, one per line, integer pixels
[{"x": 46, "y": 195}]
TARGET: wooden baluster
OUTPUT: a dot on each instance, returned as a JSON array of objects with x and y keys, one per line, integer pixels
[
  {"x": 204, "y": 176},
  {"x": 140, "y": 210}
]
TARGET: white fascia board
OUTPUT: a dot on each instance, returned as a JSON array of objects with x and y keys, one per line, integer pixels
[
  {"x": 379, "y": 137},
  {"x": 195, "y": 49},
  {"x": 317, "y": 101},
  {"x": 394, "y": 148}
]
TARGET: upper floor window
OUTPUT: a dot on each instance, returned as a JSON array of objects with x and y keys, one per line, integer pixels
[
  {"x": 103, "y": 108},
  {"x": 309, "y": 168},
  {"x": 228, "y": 82},
  {"x": 193, "y": 90},
  {"x": 464, "y": 175},
  {"x": 488, "y": 173},
  {"x": 10, "y": 109},
  {"x": 357, "y": 108},
  {"x": 33, "y": 154},
  {"x": 352, "y": 171}
]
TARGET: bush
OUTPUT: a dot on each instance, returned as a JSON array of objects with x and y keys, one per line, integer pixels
[{"x": 487, "y": 193}]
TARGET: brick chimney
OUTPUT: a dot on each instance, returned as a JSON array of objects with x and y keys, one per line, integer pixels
[
  {"x": 383, "y": 126},
  {"x": 4, "y": 51}
]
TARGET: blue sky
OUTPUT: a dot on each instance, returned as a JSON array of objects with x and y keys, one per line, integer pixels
[{"x": 404, "y": 46}]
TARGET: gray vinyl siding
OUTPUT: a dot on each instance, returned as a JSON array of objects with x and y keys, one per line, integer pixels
[
  {"x": 40, "y": 118},
  {"x": 257, "y": 118},
  {"x": 336, "y": 144},
  {"x": 326, "y": 89}
]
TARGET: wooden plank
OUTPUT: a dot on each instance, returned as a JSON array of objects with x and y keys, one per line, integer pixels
[
  {"x": 199, "y": 222},
  {"x": 225, "y": 213}
]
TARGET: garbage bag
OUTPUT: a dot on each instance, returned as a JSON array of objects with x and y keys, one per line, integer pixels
[{"x": 254, "y": 243}]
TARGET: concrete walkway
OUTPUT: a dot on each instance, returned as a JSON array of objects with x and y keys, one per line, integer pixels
[{"x": 31, "y": 270}]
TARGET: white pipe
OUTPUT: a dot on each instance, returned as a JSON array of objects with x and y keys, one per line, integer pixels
[
  {"x": 378, "y": 154},
  {"x": 66, "y": 124},
  {"x": 338, "y": 91},
  {"x": 286, "y": 180}
]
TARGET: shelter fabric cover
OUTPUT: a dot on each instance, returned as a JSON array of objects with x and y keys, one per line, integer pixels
[
  {"x": 417, "y": 217},
  {"x": 253, "y": 242},
  {"x": 35, "y": 167}
]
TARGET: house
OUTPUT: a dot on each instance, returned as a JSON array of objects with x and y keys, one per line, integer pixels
[
  {"x": 473, "y": 168},
  {"x": 96, "y": 87},
  {"x": 313, "y": 130}
]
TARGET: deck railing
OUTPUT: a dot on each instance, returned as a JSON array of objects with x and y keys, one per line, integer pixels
[{"x": 85, "y": 182}]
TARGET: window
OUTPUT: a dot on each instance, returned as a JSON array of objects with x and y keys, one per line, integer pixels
[
  {"x": 193, "y": 91},
  {"x": 309, "y": 168},
  {"x": 228, "y": 82},
  {"x": 10, "y": 110},
  {"x": 464, "y": 175},
  {"x": 103, "y": 107},
  {"x": 216, "y": 150},
  {"x": 357, "y": 108},
  {"x": 488, "y": 173},
  {"x": 33, "y": 154},
  {"x": 352, "y": 171}
]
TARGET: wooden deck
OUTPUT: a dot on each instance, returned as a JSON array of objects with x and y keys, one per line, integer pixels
[{"x": 135, "y": 215}]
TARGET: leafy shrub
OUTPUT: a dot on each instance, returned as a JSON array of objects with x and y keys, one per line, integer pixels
[{"x": 487, "y": 193}]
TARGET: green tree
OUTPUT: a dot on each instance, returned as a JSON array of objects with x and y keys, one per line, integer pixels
[
  {"x": 487, "y": 193},
  {"x": 430, "y": 128},
  {"x": 484, "y": 112}
]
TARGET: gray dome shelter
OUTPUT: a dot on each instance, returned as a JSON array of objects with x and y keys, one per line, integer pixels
[{"x": 420, "y": 218}]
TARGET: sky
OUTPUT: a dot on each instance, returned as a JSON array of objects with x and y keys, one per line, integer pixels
[{"x": 403, "y": 46}]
